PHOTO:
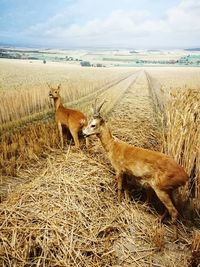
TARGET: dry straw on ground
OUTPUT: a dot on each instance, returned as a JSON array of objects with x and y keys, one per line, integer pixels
[{"x": 63, "y": 218}]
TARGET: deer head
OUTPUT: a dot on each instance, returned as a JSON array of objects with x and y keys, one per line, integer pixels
[
  {"x": 54, "y": 92},
  {"x": 94, "y": 126}
]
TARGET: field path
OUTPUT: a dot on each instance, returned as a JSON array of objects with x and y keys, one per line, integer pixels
[
  {"x": 133, "y": 119},
  {"x": 112, "y": 92}
]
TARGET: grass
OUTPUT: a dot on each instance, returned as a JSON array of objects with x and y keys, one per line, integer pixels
[{"x": 25, "y": 145}]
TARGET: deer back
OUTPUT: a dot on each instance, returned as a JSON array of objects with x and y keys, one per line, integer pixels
[
  {"x": 147, "y": 166},
  {"x": 70, "y": 117}
]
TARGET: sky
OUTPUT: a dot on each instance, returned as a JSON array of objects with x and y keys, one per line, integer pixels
[{"x": 136, "y": 24}]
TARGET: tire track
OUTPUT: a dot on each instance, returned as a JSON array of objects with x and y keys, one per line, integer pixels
[
  {"x": 112, "y": 92},
  {"x": 156, "y": 93},
  {"x": 97, "y": 92},
  {"x": 82, "y": 103},
  {"x": 136, "y": 117}
]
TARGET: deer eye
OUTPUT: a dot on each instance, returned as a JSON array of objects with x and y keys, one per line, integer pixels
[{"x": 93, "y": 125}]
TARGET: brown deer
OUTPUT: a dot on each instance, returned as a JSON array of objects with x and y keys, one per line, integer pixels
[
  {"x": 150, "y": 168},
  {"x": 74, "y": 120}
]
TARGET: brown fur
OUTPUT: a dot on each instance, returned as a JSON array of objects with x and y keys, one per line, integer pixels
[
  {"x": 150, "y": 168},
  {"x": 74, "y": 120}
]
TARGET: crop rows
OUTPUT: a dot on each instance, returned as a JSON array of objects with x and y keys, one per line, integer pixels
[{"x": 36, "y": 109}]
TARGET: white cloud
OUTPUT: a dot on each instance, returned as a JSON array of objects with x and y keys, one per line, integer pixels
[
  {"x": 179, "y": 27},
  {"x": 185, "y": 17},
  {"x": 189, "y": 4}
]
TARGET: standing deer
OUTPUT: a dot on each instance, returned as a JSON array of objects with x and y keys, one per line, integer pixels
[
  {"x": 150, "y": 168},
  {"x": 74, "y": 120}
]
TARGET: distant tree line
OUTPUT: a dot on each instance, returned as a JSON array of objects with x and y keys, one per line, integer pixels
[{"x": 88, "y": 64}]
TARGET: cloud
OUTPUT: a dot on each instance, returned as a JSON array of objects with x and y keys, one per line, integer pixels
[
  {"x": 179, "y": 27},
  {"x": 119, "y": 24},
  {"x": 185, "y": 17}
]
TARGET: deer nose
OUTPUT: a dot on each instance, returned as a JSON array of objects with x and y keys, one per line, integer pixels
[{"x": 84, "y": 133}]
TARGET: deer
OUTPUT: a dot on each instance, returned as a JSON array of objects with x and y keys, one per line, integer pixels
[
  {"x": 74, "y": 120},
  {"x": 151, "y": 169}
]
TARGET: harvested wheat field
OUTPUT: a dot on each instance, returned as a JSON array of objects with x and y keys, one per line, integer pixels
[{"x": 60, "y": 208}]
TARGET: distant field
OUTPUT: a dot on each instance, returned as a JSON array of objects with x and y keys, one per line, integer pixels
[
  {"x": 176, "y": 77},
  {"x": 107, "y": 58},
  {"x": 23, "y": 73}
]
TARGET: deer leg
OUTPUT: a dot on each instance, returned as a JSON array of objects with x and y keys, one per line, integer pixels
[
  {"x": 149, "y": 195},
  {"x": 87, "y": 142},
  {"x": 165, "y": 198},
  {"x": 74, "y": 134},
  {"x": 125, "y": 187},
  {"x": 119, "y": 186},
  {"x": 60, "y": 133},
  {"x": 164, "y": 215},
  {"x": 127, "y": 197}
]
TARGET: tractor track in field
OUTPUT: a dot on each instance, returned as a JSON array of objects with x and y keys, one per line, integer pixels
[
  {"x": 134, "y": 118},
  {"x": 157, "y": 94},
  {"x": 77, "y": 104},
  {"x": 99, "y": 91}
]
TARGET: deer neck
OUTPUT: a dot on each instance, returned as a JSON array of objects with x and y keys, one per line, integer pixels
[
  {"x": 57, "y": 102},
  {"x": 106, "y": 138}
]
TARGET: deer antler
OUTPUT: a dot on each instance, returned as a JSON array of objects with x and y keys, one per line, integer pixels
[
  {"x": 96, "y": 111},
  {"x": 59, "y": 86},
  {"x": 94, "y": 106},
  {"x": 99, "y": 108}
]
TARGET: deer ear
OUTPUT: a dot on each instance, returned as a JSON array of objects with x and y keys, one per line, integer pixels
[
  {"x": 106, "y": 119},
  {"x": 49, "y": 85},
  {"x": 92, "y": 109},
  {"x": 102, "y": 121}
]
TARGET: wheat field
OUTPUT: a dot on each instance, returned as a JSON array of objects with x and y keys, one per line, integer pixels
[
  {"x": 59, "y": 208},
  {"x": 24, "y": 86}
]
